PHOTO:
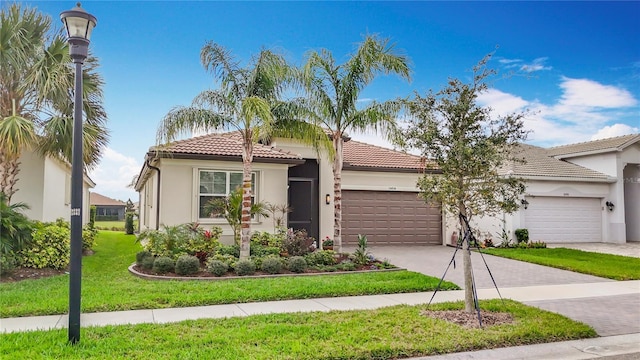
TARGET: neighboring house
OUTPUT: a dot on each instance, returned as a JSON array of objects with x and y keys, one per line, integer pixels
[
  {"x": 44, "y": 183},
  {"x": 108, "y": 209},
  {"x": 585, "y": 192},
  {"x": 379, "y": 193}
]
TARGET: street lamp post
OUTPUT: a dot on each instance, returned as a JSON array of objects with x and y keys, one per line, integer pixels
[{"x": 79, "y": 25}]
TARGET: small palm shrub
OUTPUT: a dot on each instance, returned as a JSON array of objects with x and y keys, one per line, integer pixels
[
  {"x": 163, "y": 265},
  {"x": 245, "y": 267},
  {"x": 361, "y": 255},
  {"x": 187, "y": 265},
  {"x": 217, "y": 267},
  {"x": 15, "y": 227},
  {"x": 297, "y": 264},
  {"x": 271, "y": 265}
]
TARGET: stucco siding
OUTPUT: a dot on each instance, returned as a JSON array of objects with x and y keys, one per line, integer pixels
[
  {"x": 30, "y": 184},
  {"x": 56, "y": 195}
]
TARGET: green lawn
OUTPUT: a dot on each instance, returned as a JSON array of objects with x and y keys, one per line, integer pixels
[
  {"x": 108, "y": 286},
  {"x": 113, "y": 225},
  {"x": 387, "y": 333},
  {"x": 604, "y": 265}
]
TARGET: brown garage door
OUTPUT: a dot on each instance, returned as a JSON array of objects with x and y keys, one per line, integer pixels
[{"x": 389, "y": 218}]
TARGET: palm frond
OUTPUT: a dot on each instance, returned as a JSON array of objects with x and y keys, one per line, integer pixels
[{"x": 183, "y": 120}]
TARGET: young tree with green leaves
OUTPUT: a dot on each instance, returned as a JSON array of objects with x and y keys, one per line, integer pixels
[
  {"x": 36, "y": 94},
  {"x": 230, "y": 208},
  {"x": 333, "y": 91},
  {"x": 470, "y": 146},
  {"x": 249, "y": 100}
]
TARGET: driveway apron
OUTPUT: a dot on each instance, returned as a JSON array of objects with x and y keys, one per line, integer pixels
[{"x": 608, "y": 315}]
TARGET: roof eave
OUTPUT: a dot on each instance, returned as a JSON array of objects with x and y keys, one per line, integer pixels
[
  {"x": 607, "y": 180},
  {"x": 389, "y": 169},
  {"x": 236, "y": 158}
]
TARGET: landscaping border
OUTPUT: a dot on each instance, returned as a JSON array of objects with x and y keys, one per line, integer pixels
[{"x": 218, "y": 278}]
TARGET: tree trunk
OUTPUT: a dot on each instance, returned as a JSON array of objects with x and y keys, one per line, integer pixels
[
  {"x": 9, "y": 168},
  {"x": 245, "y": 220},
  {"x": 337, "y": 192},
  {"x": 466, "y": 264}
]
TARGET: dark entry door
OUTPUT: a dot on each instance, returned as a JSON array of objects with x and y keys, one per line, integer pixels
[{"x": 303, "y": 197}]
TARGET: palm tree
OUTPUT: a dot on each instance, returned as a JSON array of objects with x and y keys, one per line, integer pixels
[
  {"x": 333, "y": 92},
  {"x": 248, "y": 101},
  {"x": 36, "y": 94}
]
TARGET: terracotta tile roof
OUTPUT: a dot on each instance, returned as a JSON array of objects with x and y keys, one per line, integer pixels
[
  {"x": 598, "y": 146},
  {"x": 540, "y": 164},
  {"x": 97, "y": 199},
  {"x": 358, "y": 154},
  {"x": 226, "y": 144}
]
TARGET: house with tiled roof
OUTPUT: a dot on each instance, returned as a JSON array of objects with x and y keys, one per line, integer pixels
[
  {"x": 379, "y": 192},
  {"x": 585, "y": 192},
  {"x": 107, "y": 209}
]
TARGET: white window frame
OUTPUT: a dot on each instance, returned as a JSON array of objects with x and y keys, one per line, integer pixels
[{"x": 228, "y": 172}]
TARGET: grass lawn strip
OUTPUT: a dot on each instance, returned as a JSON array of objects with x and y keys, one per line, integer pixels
[
  {"x": 388, "y": 333},
  {"x": 108, "y": 286},
  {"x": 615, "y": 267}
]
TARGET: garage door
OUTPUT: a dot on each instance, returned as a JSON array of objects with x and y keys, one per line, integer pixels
[
  {"x": 558, "y": 219},
  {"x": 389, "y": 218}
]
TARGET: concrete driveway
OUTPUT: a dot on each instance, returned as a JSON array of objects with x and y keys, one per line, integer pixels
[{"x": 608, "y": 315}]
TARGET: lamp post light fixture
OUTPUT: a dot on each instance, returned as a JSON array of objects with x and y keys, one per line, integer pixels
[
  {"x": 79, "y": 25},
  {"x": 610, "y": 205},
  {"x": 524, "y": 203}
]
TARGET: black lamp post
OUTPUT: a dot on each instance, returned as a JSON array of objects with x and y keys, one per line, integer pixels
[{"x": 79, "y": 25}]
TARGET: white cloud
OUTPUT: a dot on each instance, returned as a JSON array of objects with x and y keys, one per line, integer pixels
[
  {"x": 588, "y": 93},
  {"x": 500, "y": 102},
  {"x": 614, "y": 130},
  {"x": 509, "y": 61},
  {"x": 113, "y": 174},
  {"x": 536, "y": 65}
]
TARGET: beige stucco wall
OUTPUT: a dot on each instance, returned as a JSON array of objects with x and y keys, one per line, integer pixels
[
  {"x": 44, "y": 185},
  {"x": 179, "y": 193}
]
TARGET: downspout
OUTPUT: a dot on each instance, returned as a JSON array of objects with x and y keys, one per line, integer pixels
[{"x": 157, "y": 194}]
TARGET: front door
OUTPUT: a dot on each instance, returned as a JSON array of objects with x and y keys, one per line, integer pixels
[{"x": 303, "y": 198}]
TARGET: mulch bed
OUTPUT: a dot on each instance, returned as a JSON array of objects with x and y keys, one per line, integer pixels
[
  {"x": 20, "y": 274},
  {"x": 470, "y": 320}
]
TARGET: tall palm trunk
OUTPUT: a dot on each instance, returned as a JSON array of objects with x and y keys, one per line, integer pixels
[
  {"x": 337, "y": 191},
  {"x": 9, "y": 168},
  {"x": 466, "y": 263},
  {"x": 245, "y": 220}
]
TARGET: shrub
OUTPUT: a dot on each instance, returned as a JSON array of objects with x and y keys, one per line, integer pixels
[
  {"x": 261, "y": 251},
  {"x": 147, "y": 262},
  {"x": 8, "y": 263},
  {"x": 297, "y": 264},
  {"x": 346, "y": 266},
  {"x": 50, "y": 247},
  {"x": 272, "y": 265},
  {"x": 230, "y": 260},
  {"x": 321, "y": 257},
  {"x": 522, "y": 235},
  {"x": 174, "y": 241},
  {"x": 267, "y": 239},
  {"x": 128, "y": 223},
  {"x": 298, "y": 243},
  {"x": 217, "y": 267},
  {"x": 88, "y": 237},
  {"x": 141, "y": 255},
  {"x": 327, "y": 242},
  {"x": 233, "y": 250},
  {"x": 245, "y": 267},
  {"x": 93, "y": 210},
  {"x": 187, "y": 265},
  {"x": 163, "y": 264}
]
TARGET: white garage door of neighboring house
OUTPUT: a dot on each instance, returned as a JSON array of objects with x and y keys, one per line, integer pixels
[
  {"x": 389, "y": 218},
  {"x": 561, "y": 219}
]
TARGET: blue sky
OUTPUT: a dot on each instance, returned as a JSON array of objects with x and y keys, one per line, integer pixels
[{"x": 576, "y": 65}]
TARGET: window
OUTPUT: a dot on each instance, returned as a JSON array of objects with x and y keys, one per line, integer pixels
[{"x": 214, "y": 184}]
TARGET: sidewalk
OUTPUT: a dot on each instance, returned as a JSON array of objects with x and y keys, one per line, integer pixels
[{"x": 628, "y": 344}]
